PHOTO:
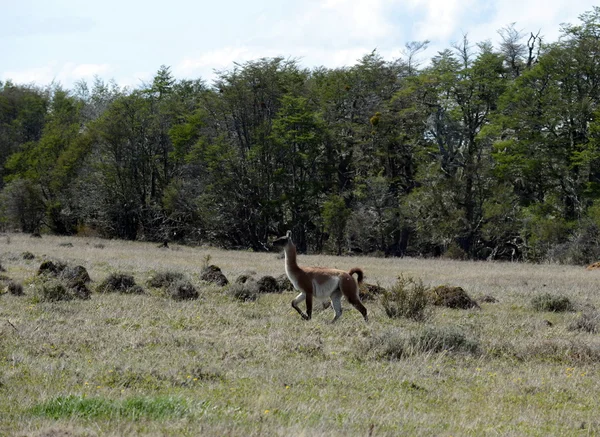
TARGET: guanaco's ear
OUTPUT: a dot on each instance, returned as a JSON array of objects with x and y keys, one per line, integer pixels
[{"x": 289, "y": 235}]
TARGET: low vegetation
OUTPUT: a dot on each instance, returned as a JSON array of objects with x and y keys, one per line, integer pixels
[{"x": 239, "y": 362}]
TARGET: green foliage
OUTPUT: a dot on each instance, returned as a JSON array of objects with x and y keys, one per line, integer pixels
[
  {"x": 484, "y": 153},
  {"x": 335, "y": 219}
]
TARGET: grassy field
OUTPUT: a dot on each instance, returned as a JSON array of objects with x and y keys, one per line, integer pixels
[{"x": 120, "y": 364}]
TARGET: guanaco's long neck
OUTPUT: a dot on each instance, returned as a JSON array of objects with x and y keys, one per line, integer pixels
[{"x": 290, "y": 258}]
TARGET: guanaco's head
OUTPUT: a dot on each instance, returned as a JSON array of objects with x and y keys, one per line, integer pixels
[{"x": 283, "y": 241}]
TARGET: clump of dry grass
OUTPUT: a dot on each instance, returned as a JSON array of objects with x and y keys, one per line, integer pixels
[
  {"x": 246, "y": 292},
  {"x": 395, "y": 344},
  {"x": 587, "y": 321},
  {"x": 119, "y": 283}
]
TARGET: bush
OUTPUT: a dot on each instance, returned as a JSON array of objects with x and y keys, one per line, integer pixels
[
  {"x": 28, "y": 256},
  {"x": 407, "y": 298},
  {"x": 549, "y": 302},
  {"x": 119, "y": 283}
]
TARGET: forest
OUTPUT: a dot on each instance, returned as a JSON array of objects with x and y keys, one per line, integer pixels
[{"x": 481, "y": 152}]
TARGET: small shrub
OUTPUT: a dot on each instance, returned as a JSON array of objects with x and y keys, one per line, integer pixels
[
  {"x": 213, "y": 275},
  {"x": 53, "y": 290},
  {"x": 119, "y": 283},
  {"x": 549, "y": 302},
  {"x": 451, "y": 297},
  {"x": 28, "y": 256},
  {"x": 407, "y": 298},
  {"x": 15, "y": 288},
  {"x": 268, "y": 284},
  {"x": 165, "y": 279},
  {"x": 246, "y": 292},
  {"x": 2, "y": 269},
  {"x": 65, "y": 244},
  {"x": 182, "y": 290},
  {"x": 586, "y": 322}
]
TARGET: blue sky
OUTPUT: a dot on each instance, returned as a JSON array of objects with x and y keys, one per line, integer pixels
[{"x": 67, "y": 40}]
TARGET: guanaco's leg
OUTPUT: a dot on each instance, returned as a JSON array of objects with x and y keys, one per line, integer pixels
[
  {"x": 309, "y": 305},
  {"x": 295, "y": 303},
  {"x": 350, "y": 290},
  {"x": 336, "y": 301}
]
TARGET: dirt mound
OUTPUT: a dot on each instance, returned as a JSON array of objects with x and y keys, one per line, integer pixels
[
  {"x": 268, "y": 284},
  {"x": 451, "y": 297},
  {"x": 369, "y": 291},
  {"x": 487, "y": 299},
  {"x": 243, "y": 278},
  {"x": 53, "y": 268},
  {"x": 284, "y": 283},
  {"x": 213, "y": 275},
  {"x": 119, "y": 283},
  {"x": 182, "y": 290}
]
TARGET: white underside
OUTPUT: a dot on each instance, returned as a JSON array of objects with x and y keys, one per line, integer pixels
[{"x": 323, "y": 291}]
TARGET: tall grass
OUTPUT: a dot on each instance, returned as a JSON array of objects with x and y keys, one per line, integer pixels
[{"x": 146, "y": 364}]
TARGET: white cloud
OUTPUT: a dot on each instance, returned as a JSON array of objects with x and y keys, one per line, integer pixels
[
  {"x": 65, "y": 74},
  {"x": 442, "y": 18}
]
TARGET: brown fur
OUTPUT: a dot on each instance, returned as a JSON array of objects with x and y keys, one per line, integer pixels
[{"x": 319, "y": 282}]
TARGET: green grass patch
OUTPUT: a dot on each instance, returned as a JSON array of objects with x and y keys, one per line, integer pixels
[{"x": 134, "y": 408}]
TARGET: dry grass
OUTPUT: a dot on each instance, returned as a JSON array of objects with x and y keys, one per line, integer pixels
[{"x": 120, "y": 364}]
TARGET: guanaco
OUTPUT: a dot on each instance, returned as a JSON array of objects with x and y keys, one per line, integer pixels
[{"x": 320, "y": 283}]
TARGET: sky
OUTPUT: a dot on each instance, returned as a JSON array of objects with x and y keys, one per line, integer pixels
[{"x": 64, "y": 41}]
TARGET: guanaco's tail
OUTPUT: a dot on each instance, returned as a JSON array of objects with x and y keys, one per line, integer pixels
[{"x": 359, "y": 273}]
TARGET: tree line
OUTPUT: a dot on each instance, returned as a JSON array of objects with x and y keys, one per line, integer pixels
[{"x": 482, "y": 152}]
